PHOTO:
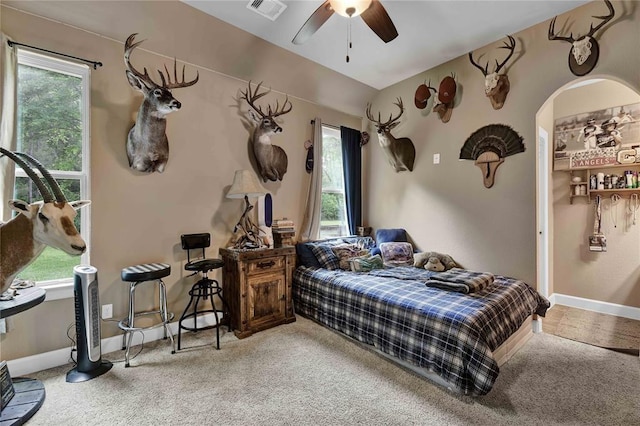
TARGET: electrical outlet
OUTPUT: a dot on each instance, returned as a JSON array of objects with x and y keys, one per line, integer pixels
[
  {"x": 436, "y": 158},
  {"x": 107, "y": 311}
]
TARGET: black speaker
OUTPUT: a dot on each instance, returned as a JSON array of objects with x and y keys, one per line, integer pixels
[{"x": 87, "y": 303}]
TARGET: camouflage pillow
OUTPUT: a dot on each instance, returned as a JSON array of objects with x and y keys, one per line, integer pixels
[
  {"x": 366, "y": 263},
  {"x": 346, "y": 252}
]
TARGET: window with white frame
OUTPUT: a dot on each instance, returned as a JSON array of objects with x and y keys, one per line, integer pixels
[
  {"x": 53, "y": 127},
  {"x": 333, "y": 213}
]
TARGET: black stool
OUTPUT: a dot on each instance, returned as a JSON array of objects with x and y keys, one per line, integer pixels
[
  {"x": 136, "y": 275},
  {"x": 205, "y": 288}
]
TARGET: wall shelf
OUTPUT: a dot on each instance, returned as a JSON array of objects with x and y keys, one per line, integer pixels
[{"x": 585, "y": 173}]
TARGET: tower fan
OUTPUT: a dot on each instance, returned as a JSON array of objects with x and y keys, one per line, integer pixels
[{"x": 89, "y": 363}]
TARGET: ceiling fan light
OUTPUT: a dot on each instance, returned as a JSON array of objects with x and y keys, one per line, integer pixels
[{"x": 341, "y": 6}]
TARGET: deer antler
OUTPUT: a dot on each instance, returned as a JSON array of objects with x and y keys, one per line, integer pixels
[
  {"x": 605, "y": 19},
  {"x": 278, "y": 113},
  {"x": 251, "y": 97},
  {"x": 553, "y": 36},
  {"x": 167, "y": 84},
  {"x": 592, "y": 29},
  {"x": 176, "y": 84},
  {"x": 129, "y": 45},
  {"x": 475, "y": 64},
  {"x": 392, "y": 119},
  {"x": 510, "y": 45}
]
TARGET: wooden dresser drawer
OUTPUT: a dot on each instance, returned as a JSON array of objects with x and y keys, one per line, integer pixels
[{"x": 267, "y": 264}]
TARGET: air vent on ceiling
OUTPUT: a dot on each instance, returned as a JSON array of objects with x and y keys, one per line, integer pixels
[{"x": 268, "y": 8}]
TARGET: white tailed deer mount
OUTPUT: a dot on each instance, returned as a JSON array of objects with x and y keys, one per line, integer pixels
[
  {"x": 41, "y": 224},
  {"x": 271, "y": 159},
  {"x": 400, "y": 152},
  {"x": 147, "y": 144},
  {"x": 446, "y": 97},
  {"x": 496, "y": 85},
  {"x": 585, "y": 50}
]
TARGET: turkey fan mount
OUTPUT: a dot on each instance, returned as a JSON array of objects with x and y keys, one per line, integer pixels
[{"x": 489, "y": 146}]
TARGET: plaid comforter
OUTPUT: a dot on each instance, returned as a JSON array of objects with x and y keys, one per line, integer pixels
[{"x": 450, "y": 333}]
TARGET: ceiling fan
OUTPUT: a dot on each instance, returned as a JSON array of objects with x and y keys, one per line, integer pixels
[{"x": 371, "y": 11}]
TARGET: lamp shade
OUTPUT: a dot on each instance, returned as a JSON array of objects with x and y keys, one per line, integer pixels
[{"x": 245, "y": 183}]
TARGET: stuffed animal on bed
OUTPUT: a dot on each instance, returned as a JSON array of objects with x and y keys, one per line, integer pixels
[{"x": 433, "y": 261}]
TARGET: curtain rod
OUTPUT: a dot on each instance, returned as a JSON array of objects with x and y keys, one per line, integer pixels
[
  {"x": 94, "y": 63},
  {"x": 328, "y": 125}
]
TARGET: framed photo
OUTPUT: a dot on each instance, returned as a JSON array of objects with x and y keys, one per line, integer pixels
[{"x": 597, "y": 138}]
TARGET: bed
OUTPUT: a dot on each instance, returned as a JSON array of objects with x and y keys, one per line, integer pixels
[{"x": 459, "y": 339}]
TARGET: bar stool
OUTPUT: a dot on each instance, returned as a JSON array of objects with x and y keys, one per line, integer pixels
[
  {"x": 136, "y": 275},
  {"x": 205, "y": 288}
]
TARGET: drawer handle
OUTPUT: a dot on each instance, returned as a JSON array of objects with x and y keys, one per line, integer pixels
[{"x": 268, "y": 264}]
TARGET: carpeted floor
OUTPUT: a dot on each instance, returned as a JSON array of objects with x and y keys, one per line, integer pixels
[
  {"x": 304, "y": 374},
  {"x": 593, "y": 328}
]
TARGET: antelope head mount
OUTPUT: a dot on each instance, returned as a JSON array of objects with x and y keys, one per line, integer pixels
[
  {"x": 271, "y": 159},
  {"x": 45, "y": 223},
  {"x": 400, "y": 152},
  {"x": 496, "y": 85},
  {"x": 585, "y": 50},
  {"x": 147, "y": 144}
]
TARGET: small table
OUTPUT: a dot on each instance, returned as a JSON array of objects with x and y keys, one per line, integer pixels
[{"x": 29, "y": 393}]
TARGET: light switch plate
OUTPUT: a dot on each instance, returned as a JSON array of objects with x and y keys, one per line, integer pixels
[{"x": 436, "y": 158}]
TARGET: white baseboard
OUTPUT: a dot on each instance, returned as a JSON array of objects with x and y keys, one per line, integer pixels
[
  {"x": 43, "y": 361},
  {"x": 595, "y": 306}
]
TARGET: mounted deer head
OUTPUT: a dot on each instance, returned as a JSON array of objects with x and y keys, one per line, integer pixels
[
  {"x": 45, "y": 223},
  {"x": 147, "y": 144},
  {"x": 496, "y": 85},
  {"x": 271, "y": 159},
  {"x": 585, "y": 49},
  {"x": 400, "y": 152}
]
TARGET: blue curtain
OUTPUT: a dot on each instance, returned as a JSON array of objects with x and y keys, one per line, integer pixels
[{"x": 352, "y": 168}]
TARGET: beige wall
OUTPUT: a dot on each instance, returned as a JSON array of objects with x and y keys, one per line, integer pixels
[
  {"x": 613, "y": 276},
  {"x": 138, "y": 218},
  {"x": 445, "y": 207}
]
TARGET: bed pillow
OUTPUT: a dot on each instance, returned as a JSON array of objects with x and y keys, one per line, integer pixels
[
  {"x": 397, "y": 254},
  {"x": 325, "y": 256},
  {"x": 366, "y": 263},
  {"x": 346, "y": 252},
  {"x": 388, "y": 235},
  {"x": 306, "y": 257}
]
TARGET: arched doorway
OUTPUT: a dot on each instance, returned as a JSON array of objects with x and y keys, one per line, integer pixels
[{"x": 563, "y": 258}]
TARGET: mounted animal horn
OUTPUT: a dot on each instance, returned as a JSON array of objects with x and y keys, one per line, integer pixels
[
  {"x": 496, "y": 85},
  {"x": 46, "y": 194},
  {"x": 585, "y": 50},
  {"x": 53, "y": 184}
]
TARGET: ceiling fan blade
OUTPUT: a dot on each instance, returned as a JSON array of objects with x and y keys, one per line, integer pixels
[
  {"x": 377, "y": 18},
  {"x": 314, "y": 23}
]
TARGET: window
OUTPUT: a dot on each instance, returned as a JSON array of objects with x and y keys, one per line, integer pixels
[
  {"x": 53, "y": 127},
  {"x": 333, "y": 213}
]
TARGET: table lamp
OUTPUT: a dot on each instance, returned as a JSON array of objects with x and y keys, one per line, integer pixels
[{"x": 244, "y": 186}]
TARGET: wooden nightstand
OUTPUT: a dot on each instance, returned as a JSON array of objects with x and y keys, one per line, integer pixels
[{"x": 257, "y": 286}]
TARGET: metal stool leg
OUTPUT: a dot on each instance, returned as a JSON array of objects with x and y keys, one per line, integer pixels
[
  {"x": 182, "y": 317},
  {"x": 210, "y": 292},
  {"x": 163, "y": 313},
  {"x": 226, "y": 310},
  {"x": 128, "y": 334}
]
